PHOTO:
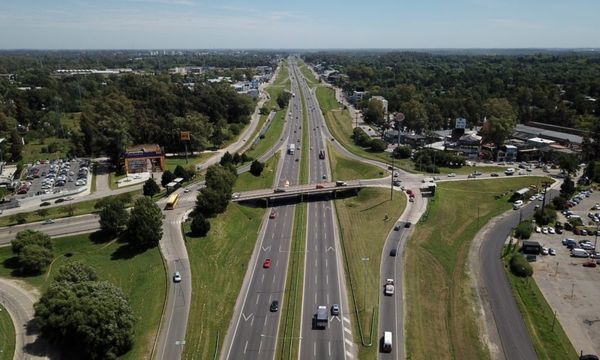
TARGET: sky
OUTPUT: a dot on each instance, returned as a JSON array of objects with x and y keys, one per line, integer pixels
[{"x": 301, "y": 24}]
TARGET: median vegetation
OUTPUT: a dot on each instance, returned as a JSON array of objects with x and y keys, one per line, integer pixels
[{"x": 439, "y": 300}]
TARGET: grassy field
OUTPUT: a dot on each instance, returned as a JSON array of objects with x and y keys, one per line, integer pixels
[
  {"x": 80, "y": 208},
  {"x": 363, "y": 232},
  {"x": 141, "y": 276},
  {"x": 291, "y": 309},
  {"x": 219, "y": 262},
  {"x": 247, "y": 181},
  {"x": 310, "y": 77},
  {"x": 283, "y": 78},
  {"x": 439, "y": 300},
  {"x": 36, "y": 149},
  {"x": 548, "y": 336},
  {"x": 7, "y": 340},
  {"x": 341, "y": 124},
  {"x": 344, "y": 168},
  {"x": 172, "y": 162}
]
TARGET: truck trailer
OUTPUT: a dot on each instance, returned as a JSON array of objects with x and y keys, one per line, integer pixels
[
  {"x": 291, "y": 149},
  {"x": 321, "y": 318}
]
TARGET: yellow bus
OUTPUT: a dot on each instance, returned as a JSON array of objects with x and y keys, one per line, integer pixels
[{"x": 172, "y": 201}]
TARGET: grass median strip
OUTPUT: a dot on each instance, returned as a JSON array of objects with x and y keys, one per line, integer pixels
[
  {"x": 141, "y": 277},
  {"x": 439, "y": 299},
  {"x": 340, "y": 125},
  {"x": 219, "y": 262},
  {"x": 246, "y": 181},
  {"x": 289, "y": 331},
  {"x": 548, "y": 336},
  {"x": 7, "y": 340},
  {"x": 363, "y": 231},
  {"x": 344, "y": 168},
  {"x": 304, "y": 165}
]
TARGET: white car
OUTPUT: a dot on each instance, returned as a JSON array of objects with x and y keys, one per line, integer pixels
[
  {"x": 538, "y": 229},
  {"x": 544, "y": 230},
  {"x": 544, "y": 250},
  {"x": 48, "y": 222},
  {"x": 451, "y": 175},
  {"x": 177, "y": 277},
  {"x": 551, "y": 230},
  {"x": 552, "y": 252},
  {"x": 517, "y": 204},
  {"x": 532, "y": 198}
]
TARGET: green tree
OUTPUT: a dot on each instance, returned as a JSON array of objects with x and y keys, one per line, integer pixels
[
  {"x": 519, "y": 266},
  {"x": 559, "y": 202},
  {"x": 226, "y": 159},
  {"x": 180, "y": 172},
  {"x": 16, "y": 146},
  {"x": 402, "y": 152},
  {"x": 200, "y": 225},
  {"x": 97, "y": 314},
  {"x": 76, "y": 272},
  {"x": 42, "y": 212},
  {"x": 567, "y": 187},
  {"x": 374, "y": 113},
  {"x": 145, "y": 224},
  {"x": 220, "y": 178},
  {"x": 523, "y": 230},
  {"x": 568, "y": 163},
  {"x": 501, "y": 120},
  {"x": 378, "y": 145},
  {"x": 211, "y": 202},
  {"x": 151, "y": 188},
  {"x": 20, "y": 218},
  {"x": 256, "y": 168},
  {"x": 113, "y": 216},
  {"x": 200, "y": 130},
  {"x": 166, "y": 178},
  {"x": 283, "y": 99},
  {"x": 30, "y": 237},
  {"x": 545, "y": 217},
  {"x": 33, "y": 259}
]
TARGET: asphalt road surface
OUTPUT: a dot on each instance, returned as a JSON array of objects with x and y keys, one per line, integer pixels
[
  {"x": 514, "y": 338},
  {"x": 323, "y": 271},
  {"x": 254, "y": 331}
]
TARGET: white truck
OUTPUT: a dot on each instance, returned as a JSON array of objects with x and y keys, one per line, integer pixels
[
  {"x": 291, "y": 149},
  {"x": 389, "y": 287}
]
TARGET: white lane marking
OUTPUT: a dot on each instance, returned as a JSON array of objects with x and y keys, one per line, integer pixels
[
  {"x": 314, "y": 349},
  {"x": 328, "y": 298},
  {"x": 348, "y": 331},
  {"x": 329, "y": 345},
  {"x": 247, "y": 317},
  {"x": 276, "y": 262},
  {"x": 327, "y": 279},
  {"x": 257, "y": 298},
  {"x": 245, "y": 346},
  {"x": 347, "y": 320},
  {"x": 349, "y": 354},
  {"x": 260, "y": 346},
  {"x": 325, "y": 263},
  {"x": 268, "y": 248},
  {"x": 263, "y": 278},
  {"x": 252, "y": 322},
  {"x": 315, "y": 298},
  {"x": 315, "y": 278},
  {"x": 347, "y": 340},
  {"x": 272, "y": 235},
  {"x": 274, "y": 277}
]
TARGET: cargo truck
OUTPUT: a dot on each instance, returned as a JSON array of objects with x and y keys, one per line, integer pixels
[{"x": 292, "y": 149}]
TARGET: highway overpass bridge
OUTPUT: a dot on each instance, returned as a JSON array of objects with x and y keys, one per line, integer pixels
[{"x": 331, "y": 188}]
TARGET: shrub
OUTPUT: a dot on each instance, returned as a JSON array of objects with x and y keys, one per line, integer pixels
[
  {"x": 523, "y": 230},
  {"x": 256, "y": 168},
  {"x": 378, "y": 145},
  {"x": 519, "y": 266},
  {"x": 402, "y": 152},
  {"x": 200, "y": 225},
  {"x": 548, "y": 216}
]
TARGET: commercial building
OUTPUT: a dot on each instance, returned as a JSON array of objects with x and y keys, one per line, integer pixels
[{"x": 145, "y": 157}]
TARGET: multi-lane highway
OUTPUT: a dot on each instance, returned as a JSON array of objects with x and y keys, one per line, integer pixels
[
  {"x": 253, "y": 334},
  {"x": 323, "y": 272}
]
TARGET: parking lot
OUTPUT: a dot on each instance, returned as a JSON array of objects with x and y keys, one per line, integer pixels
[
  {"x": 571, "y": 289},
  {"x": 54, "y": 177}
]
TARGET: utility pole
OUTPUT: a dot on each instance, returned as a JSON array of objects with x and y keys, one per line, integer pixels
[{"x": 392, "y": 180}]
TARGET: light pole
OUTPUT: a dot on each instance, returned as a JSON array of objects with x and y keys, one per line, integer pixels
[{"x": 365, "y": 259}]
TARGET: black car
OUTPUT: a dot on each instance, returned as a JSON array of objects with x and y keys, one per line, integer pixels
[
  {"x": 45, "y": 203},
  {"x": 407, "y": 225},
  {"x": 274, "y": 306},
  {"x": 58, "y": 201},
  {"x": 393, "y": 252}
]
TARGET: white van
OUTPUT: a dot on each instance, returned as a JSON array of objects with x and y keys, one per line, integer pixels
[
  {"x": 517, "y": 204},
  {"x": 387, "y": 342},
  {"x": 579, "y": 253},
  {"x": 509, "y": 171}
]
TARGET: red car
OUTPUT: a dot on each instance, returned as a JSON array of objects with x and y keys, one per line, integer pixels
[
  {"x": 319, "y": 186},
  {"x": 273, "y": 215},
  {"x": 589, "y": 264},
  {"x": 267, "y": 264},
  {"x": 409, "y": 192}
]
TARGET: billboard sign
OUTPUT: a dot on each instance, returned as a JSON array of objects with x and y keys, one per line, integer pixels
[
  {"x": 185, "y": 136},
  {"x": 461, "y": 123}
]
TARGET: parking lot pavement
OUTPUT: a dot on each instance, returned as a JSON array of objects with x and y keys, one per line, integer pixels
[
  {"x": 44, "y": 178},
  {"x": 570, "y": 288}
]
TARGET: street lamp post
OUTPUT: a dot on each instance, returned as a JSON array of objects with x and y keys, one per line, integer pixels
[{"x": 365, "y": 259}]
